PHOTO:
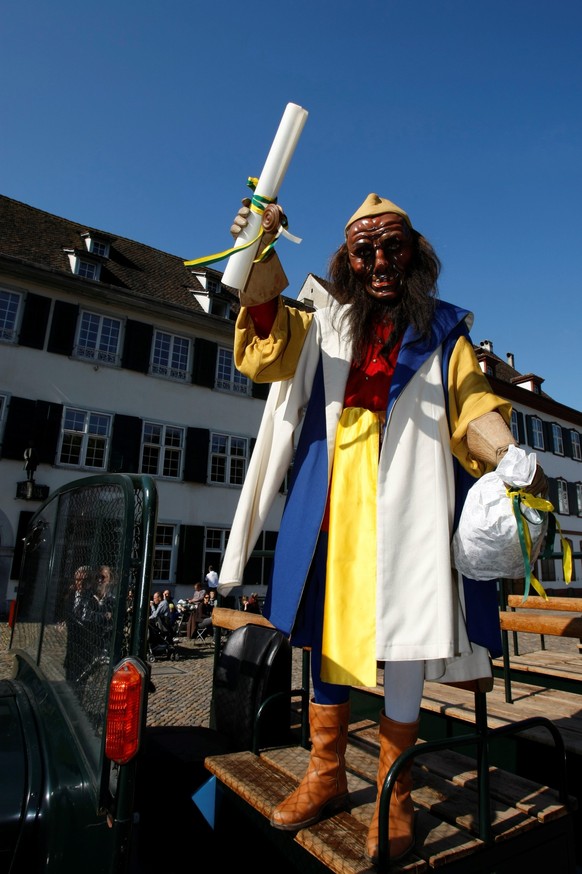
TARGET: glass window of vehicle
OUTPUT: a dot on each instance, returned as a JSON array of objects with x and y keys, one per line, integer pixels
[
  {"x": 162, "y": 450},
  {"x": 537, "y": 431},
  {"x": 557, "y": 439},
  {"x": 228, "y": 377},
  {"x": 85, "y": 438},
  {"x": 228, "y": 459},
  {"x": 98, "y": 338},
  {"x": 9, "y": 312},
  {"x": 170, "y": 356}
]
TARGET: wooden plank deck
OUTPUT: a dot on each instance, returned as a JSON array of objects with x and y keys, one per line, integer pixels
[
  {"x": 563, "y": 708},
  {"x": 524, "y": 814}
]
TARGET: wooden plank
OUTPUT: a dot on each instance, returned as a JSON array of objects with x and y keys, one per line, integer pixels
[
  {"x": 527, "y": 796},
  {"x": 543, "y": 662},
  {"x": 339, "y": 842},
  {"x": 444, "y": 795},
  {"x": 225, "y": 617},
  {"x": 529, "y": 701},
  {"x": 534, "y": 602},
  {"x": 461, "y": 808},
  {"x": 252, "y": 779},
  {"x": 540, "y": 623}
]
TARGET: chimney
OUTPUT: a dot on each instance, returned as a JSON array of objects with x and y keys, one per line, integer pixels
[
  {"x": 487, "y": 345},
  {"x": 510, "y": 359}
]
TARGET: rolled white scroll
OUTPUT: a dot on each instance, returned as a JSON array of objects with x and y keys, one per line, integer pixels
[{"x": 290, "y": 127}]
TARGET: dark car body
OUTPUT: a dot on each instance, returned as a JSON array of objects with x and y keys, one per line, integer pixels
[{"x": 66, "y": 803}]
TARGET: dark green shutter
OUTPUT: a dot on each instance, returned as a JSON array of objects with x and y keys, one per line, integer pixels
[
  {"x": 190, "y": 564},
  {"x": 204, "y": 363},
  {"x": 196, "y": 460},
  {"x": 35, "y": 319},
  {"x": 137, "y": 345},
  {"x": 260, "y": 390},
  {"x": 63, "y": 326},
  {"x": 125, "y": 444}
]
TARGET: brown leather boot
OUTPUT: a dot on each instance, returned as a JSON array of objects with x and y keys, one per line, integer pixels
[
  {"x": 395, "y": 737},
  {"x": 324, "y": 788}
]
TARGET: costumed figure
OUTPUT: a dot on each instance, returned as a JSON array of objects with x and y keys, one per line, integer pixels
[
  {"x": 395, "y": 421},
  {"x": 30, "y": 461}
]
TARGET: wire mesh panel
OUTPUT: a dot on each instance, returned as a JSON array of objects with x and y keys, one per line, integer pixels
[{"x": 83, "y": 586}]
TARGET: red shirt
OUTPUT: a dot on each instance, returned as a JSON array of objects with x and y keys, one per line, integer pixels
[{"x": 368, "y": 383}]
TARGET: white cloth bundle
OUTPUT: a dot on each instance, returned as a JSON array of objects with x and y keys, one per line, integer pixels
[{"x": 486, "y": 544}]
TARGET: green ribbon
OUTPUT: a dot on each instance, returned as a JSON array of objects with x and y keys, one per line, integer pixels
[
  {"x": 258, "y": 205},
  {"x": 518, "y": 498}
]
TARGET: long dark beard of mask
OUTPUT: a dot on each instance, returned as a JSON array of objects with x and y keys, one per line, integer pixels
[{"x": 415, "y": 308}]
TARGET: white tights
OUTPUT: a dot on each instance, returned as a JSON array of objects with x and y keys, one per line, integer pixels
[{"x": 403, "y": 685}]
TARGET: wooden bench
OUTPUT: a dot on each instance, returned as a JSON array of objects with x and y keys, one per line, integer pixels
[
  {"x": 554, "y": 616},
  {"x": 530, "y": 823},
  {"x": 450, "y": 827}
]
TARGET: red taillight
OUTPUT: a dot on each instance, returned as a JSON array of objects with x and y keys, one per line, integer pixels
[{"x": 124, "y": 712}]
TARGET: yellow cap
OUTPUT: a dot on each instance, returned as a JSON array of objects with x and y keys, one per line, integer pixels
[{"x": 374, "y": 205}]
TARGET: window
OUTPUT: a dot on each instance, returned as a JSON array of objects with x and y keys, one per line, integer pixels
[
  {"x": 98, "y": 338},
  {"x": 537, "y": 430},
  {"x": 96, "y": 246},
  {"x": 214, "y": 546},
  {"x": 227, "y": 376},
  {"x": 557, "y": 439},
  {"x": 579, "y": 498},
  {"x": 514, "y": 425},
  {"x": 228, "y": 459},
  {"x": 576, "y": 449},
  {"x": 171, "y": 356},
  {"x": 548, "y": 570},
  {"x": 85, "y": 438},
  {"x": 9, "y": 309},
  {"x": 164, "y": 553},
  {"x": 220, "y": 307},
  {"x": 563, "y": 503},
  {"x": 162, "y": 449},
  {"x": 87, "y": 269}
]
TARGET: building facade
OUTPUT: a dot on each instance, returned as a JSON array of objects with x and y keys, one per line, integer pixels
[{"x": 114, "y": 357}]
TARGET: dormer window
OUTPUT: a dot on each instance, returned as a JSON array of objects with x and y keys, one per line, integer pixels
[
  {"x": 84, "y": 264},
  {"x": 96, "y": 245},
  {"x": 87, "y": 270},
  {"x": 529, "y": 381}
]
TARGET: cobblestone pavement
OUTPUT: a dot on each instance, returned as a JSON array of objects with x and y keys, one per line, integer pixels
[{"x": 183, "y": 687}]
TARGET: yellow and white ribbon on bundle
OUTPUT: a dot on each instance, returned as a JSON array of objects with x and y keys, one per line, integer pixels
[{"x": 520, "y": 498}]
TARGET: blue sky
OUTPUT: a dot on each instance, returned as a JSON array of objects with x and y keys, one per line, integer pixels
[{"x": 146, "y": 118}]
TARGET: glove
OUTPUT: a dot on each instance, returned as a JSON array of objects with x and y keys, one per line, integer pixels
[{"x": 267, "y": 278}]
